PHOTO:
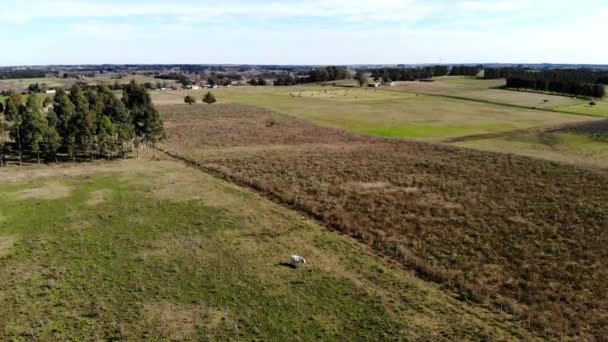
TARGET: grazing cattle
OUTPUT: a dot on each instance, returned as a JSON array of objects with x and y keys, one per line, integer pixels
[{"x": 297, "y": 260}]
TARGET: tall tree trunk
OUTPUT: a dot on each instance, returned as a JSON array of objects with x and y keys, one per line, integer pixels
[
  {"x": 19, "y": 142},
  {"x": 38, "y": 156}
]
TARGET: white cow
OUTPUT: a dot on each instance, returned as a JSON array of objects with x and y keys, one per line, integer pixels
[{"x": 297, "y": 260}]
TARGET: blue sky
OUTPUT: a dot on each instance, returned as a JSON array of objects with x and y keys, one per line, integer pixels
[{"x": 302, "y": 31}]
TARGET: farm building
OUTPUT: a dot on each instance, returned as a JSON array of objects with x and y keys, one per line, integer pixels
[
  {"x": 374, "y": 85},
  {"x": 50, "y": 91},
  {"x": 193, "y": 87}
]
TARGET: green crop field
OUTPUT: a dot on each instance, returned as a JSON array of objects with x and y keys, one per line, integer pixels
[
  {"x": 383, "y": 112},
  {"x": 152, "y": 249}
]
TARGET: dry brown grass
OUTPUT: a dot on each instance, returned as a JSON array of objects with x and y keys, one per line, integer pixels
[
  {"x": 98, "y": 197},
  {"x": 525, "y": 235},
  {"x": 6, "y": 243},
  {"x": 177, "y": 245},
  {"x": 49, "y": 191},
  {"x": 179, "y": 322},
  {"x": 14, "y": 175}
]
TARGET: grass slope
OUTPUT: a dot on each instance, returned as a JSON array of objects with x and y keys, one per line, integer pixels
[
  {"x": 566, "y": 147},
  {"x": 488, "y": 91},
  {"x": 384, "y": 113},
  {"x": 154, "y": 250}
]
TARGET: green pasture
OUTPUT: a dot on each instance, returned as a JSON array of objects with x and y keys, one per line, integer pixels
[
  {"x": 383, "y": 112},
  {"x": 154, "y": 250}
]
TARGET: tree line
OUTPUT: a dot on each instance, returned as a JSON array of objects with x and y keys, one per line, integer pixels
[
  {"x": 466, "y": 70},
  {"x": 25, "y": 73},
  {"x": 420, "y": 73},
  {"x": 258, "y": 82},
  {"x": 94, "y": 122},
  {"x": 408, "y": 74},
  {"x": 564, "y": 75},
  {"x": 316, "y": 75},
  {"x": 329, "y": 73},
  {"x": 585, "y": 83},
  {"x": 591, "y": 90}
]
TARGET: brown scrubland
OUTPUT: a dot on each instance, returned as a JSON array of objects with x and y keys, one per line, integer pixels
[{"x": 524, "y": 236}]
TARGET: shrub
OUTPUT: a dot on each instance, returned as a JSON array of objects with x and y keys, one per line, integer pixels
[
  {"x": 189, "y": 100},
  {"x": 209, "y": 98}
]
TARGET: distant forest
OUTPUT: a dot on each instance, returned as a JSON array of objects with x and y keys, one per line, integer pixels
[
  {"x": 412, "y": 74},
  {"x": 26, "y": 73},
  {"x": 316, "y": 75},
  {"x": 585, "y": 83},
  {"x": 92, "y": 122}
]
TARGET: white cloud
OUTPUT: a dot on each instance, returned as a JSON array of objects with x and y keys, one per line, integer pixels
[
  {"x": 378, "y": 10},
  {"x": 281, "y": 32},
  {"x": 493, "y": 6}
]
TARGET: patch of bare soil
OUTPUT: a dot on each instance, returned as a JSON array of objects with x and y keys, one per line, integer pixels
[
  {"x": 179, "y": 322},
  {"x": 6, "y": 243},
  {"x": 98, "y": 197}
]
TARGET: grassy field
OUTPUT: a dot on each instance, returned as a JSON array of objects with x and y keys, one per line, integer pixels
[
  {"x": 487, "y": 91},
  {"x": 579, "y": 149},
  {"x": 507, "y": 230},
  {"x": 382, "y": 112},
  {"x": 453, "y": 107},
  {"x": 144, "y": 249}
]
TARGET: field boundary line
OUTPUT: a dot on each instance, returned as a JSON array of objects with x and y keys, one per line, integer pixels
[
  {"x": 511, "y": 105},
  {"x": 495, "y": 135}
]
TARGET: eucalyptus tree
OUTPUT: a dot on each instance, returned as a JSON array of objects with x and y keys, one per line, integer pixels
[{"x": 13, "y": 112}]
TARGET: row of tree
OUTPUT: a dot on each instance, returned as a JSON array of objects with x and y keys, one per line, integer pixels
[
  {"x": 466, "y": 70},
  {"x": 316, "y": 75},
  {"x": 18, "y": 73},
  {"x": 585, "y": 83},
  {"x": 408, "y": 74},
  {"x": 329, "y": 73},
  {"x": 286, "y": 80},
  {"x": 590, "y": 90},
  {"x": 259, "y": 82},
  {"x": 91, "y": 122},
  {"x": 561, "y": 75},
  {"x": 209, "y": 98}
]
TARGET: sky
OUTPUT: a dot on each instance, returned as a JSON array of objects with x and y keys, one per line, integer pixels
[{"x": 321, "y": 32}]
